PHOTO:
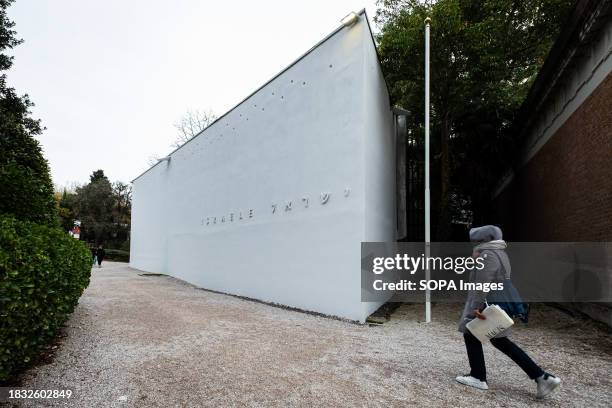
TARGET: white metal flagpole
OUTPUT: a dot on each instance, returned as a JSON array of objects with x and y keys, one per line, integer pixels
[{"x": 427, "y": 204}]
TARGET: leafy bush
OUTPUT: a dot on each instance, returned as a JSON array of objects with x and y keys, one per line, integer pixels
[
  {"x": 43, "y": 272},
  {"x": 117, "y": 255}
]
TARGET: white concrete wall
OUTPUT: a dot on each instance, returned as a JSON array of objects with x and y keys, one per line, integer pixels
[
  {"x": 148, "y": 233},
  {"x": 378, "y": 156},
  {"x": 321, "y": 126}
]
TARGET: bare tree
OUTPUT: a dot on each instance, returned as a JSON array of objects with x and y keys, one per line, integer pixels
[
  {"x": 153, "y": 159},
  {"x": 191, "y": 124}
]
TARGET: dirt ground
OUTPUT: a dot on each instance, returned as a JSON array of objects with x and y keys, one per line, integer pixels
[{"x": 155, "y": 341}]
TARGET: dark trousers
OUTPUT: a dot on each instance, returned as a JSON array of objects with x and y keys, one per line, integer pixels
[{"x": 477, "y": 361}]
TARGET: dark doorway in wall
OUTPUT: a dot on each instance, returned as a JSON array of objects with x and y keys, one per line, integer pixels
[
  {"x": 415, "y": 188},
  {"x": 410, "y": 181}
]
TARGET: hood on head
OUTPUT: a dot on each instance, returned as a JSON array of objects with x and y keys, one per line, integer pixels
[{"x": 486, "y": 233}]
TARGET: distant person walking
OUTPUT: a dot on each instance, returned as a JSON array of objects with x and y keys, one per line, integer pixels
[
  {"x": 93, "y": 255},
  {"x": 491, "y": 248},
  {"x": 100, "y": 253}
]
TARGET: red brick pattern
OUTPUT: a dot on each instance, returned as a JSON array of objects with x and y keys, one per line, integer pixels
[{"x": 564, "y": 193}]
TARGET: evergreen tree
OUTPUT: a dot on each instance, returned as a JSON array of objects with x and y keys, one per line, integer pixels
[
  {"x": 485, "y": 55},
  {"x": 26, "y": 190}
]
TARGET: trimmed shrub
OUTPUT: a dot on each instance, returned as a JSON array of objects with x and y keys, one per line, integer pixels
[
  {"x": 117, "y": 255},
  {"x": 43, "y": 272}
]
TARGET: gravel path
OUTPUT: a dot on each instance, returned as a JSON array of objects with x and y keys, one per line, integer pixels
[{"x": 156, "y": 341}]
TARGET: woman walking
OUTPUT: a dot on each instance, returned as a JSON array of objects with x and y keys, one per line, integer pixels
[
  {"x": 491, "y": 248},
  {"x": 93, "y": 254},
  {"x": 100, "y": 253}
]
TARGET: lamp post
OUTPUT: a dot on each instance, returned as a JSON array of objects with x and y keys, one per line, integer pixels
[{"x": 427, "y": 203}]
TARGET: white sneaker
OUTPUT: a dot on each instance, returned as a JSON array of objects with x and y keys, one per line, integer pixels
[
  {"x": 472, "y": 382},
  {"x": 547, "y": 384}
]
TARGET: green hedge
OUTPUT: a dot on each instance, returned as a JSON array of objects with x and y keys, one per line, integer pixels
[
  {"x": 43, "y": 272},
  {"x": 117, "y": 255}
]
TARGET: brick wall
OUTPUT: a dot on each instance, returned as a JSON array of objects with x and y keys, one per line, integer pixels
[{"x": 564, "y": 193}]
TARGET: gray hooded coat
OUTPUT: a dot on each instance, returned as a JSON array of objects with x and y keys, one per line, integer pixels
[{"x": 491, "y": 248}]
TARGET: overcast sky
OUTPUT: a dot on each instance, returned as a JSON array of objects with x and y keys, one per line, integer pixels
[{"x": 110, "y": 78}]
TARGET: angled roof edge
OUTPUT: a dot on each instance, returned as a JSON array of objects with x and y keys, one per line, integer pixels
[
  {"x": 360, "y": 13},
  {"x": 577, "y": 28},
  {"x": 572, "y": 37}
]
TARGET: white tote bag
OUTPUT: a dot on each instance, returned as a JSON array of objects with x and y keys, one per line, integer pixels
[{"x": 497, "y": 320}]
